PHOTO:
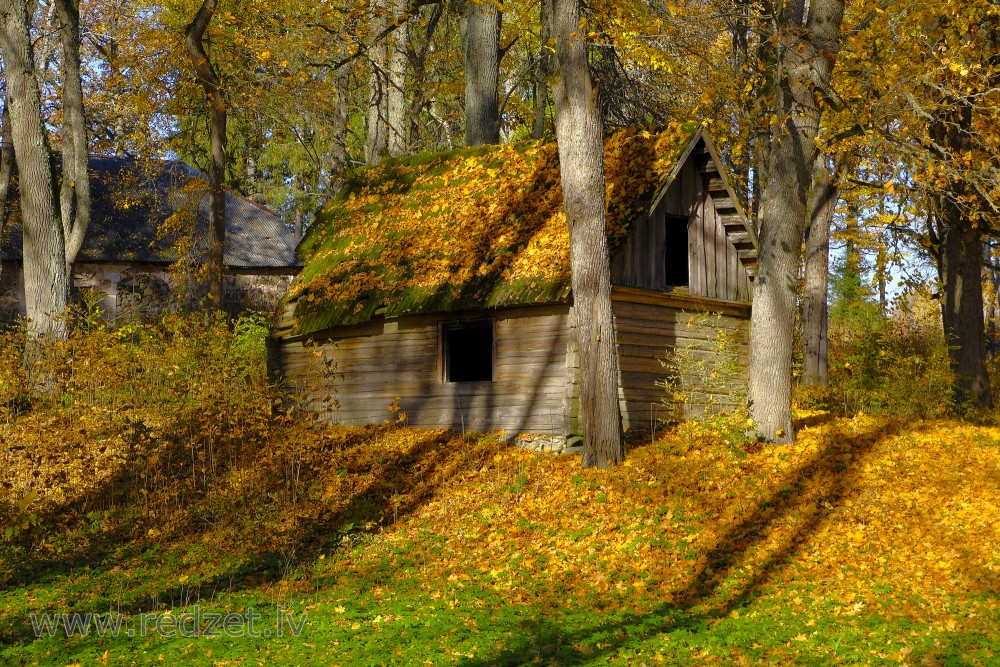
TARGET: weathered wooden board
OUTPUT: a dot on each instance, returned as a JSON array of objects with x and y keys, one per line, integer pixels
[
  {"x": 351, "y": 375},
  {"x": 714, "y": 267},
  {"x": 647, "y": 325}
]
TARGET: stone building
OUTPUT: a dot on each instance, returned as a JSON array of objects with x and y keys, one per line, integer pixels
[{"x": 146, "y": 216}]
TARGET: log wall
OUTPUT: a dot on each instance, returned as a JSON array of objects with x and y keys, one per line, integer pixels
[
  {"x": 647, "y": 324},
  {"x": 355, "y": 373}
]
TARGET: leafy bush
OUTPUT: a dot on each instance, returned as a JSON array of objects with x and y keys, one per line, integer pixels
[
  {"x": 707, "y": 377},
  {"x": 146, "y": 414},
  {"x": 896, "y": 365}
]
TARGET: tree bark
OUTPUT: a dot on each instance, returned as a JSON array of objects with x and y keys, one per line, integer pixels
[
  {"x": 74, "y": 197},
  {"x": 396, "y": 108},
  {"x": 822, "y": 203},
  {"x": 580, "y": 136},
  {"x": 481, "y": 50},
  {"x": 338, "y": 129},
  {"x": 6, "y": 161},
  {"x": 543, "y": 71},
  {"x": 209, "y": 80},
  {"x": 807, "y": 46},
  {"x": 960, "y": 250},
  {"x": 962, "y": 215},
  {"x": 962, "y": 311},
  {"x": 44, "y": 258},
  {"x": 417, "y": 55},
  {"x": 341, "y": 116},
  {"x": 377, "y": 140}
]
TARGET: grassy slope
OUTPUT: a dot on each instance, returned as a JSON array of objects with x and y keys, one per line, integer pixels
[{"x": 867, "y": 542}]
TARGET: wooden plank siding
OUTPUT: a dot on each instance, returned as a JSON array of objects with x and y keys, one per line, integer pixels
[
  {"x": 352, "y": 374},
  {"x": 647, "y": 324},
  {"x": 714, "y": 267}
]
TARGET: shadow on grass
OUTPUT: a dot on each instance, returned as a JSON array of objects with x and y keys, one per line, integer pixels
[
  {"x": 706, "y": 596},
  {"x": 394, "y": 485}
]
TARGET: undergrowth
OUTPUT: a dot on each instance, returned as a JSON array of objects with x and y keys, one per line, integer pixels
[{"x": 895, "y": 365}]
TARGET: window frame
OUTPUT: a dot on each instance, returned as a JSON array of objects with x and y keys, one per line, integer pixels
[
  {"x": 444, "y": 327},
  {"x": 668, "y": 221}
]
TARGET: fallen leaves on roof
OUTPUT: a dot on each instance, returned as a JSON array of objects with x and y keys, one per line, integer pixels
[{"x": 479, "y": 227}]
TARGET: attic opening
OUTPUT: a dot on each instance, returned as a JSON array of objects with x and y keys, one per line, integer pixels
[
  {"x": 467, "y": 351},
  {"x": 675, "y": 252}
]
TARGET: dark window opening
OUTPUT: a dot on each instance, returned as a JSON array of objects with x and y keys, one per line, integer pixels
[
  {"x": 675, "y": 252},
  {"x": 468, "y": 352}
]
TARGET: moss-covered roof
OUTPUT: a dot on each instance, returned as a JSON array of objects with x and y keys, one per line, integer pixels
[{"x": 478, "y": 227}]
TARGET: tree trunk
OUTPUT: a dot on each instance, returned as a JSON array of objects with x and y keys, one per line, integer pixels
[
  {"x": 960, "y": 251},
  {"x": 822, "y": 203},
  {"x": 44, "y": 251},
  {"x": 481, "y": 49},
  {"x": 418, "y": 46},
  {"x": 377, "y": 140},
  {"x": 74, "y": 197},
  {"x": 881, "y": 275},
  {"x": 195, "y": 36},
  {"x": 990, "y": 257},
  {"x": 341, "y": 116},
  {"x": 807, "y": 50},
  {"x": 580, "y": 136},
  {"x": 543, "y": 71},
  {"x": 962, "y": 310},
  {"x": 6, "y": 162},
  {"x": 396, "y": 108}
]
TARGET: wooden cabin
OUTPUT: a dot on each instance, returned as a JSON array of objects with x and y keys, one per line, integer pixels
[{"x": 436, "y": 289}]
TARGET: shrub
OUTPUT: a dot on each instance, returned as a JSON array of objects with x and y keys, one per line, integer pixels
[
  {"x": 896, "y": 365},
  {"x": 147, "y": 414},
  {"x": 706, "y": 378}
]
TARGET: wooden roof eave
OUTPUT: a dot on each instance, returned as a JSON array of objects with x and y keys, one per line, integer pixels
[
  {"x": 741, "y": 234},
  {"x": 661, "y": 190}
]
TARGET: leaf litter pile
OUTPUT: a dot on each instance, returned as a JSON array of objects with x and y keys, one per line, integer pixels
[{"x": 869, "y": 541}]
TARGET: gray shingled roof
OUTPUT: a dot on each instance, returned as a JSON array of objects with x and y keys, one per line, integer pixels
[{"x": 132, "y": 198}]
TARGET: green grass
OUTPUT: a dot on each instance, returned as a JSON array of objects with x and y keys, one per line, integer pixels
[
  {"x": 685, "y": 555},
  {"x": 394, "y": 611}
]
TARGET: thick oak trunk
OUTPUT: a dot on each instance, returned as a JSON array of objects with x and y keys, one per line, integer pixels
[
  {"x": 960, "y": 268},
  {"x": 481, "y": 50},
  {"x": 209, "y": 80},
  {"x": 74, "y": 196},
  {"x": 822, "y": 202},
  {"x": 960, "y": 251},
  {"x": 805, "y": 63},
  {"x": 45, "y": 286},
  {"x": 396, "y": 107},
  {"x": 580, "y": 136}
]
